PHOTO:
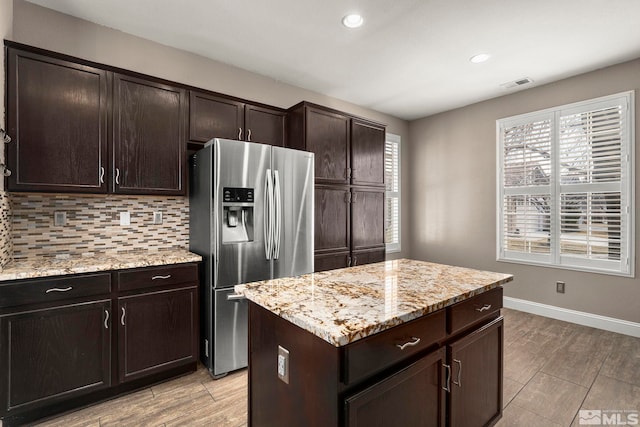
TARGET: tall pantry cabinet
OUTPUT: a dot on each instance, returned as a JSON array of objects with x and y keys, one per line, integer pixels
[{"x": 349, "y": 190}]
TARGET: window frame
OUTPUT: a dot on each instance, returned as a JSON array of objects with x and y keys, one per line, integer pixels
[
  {"x": 626, "y": 266},
  {"x": 394, "y": 247}
]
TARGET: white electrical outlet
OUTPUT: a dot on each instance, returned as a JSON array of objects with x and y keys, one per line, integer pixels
[
  {"x": 283, "y": 364},
  {"x": 157, "y": 217},
  {"x": 125, "y": 218},
  {"x": 59, "y": 218}
]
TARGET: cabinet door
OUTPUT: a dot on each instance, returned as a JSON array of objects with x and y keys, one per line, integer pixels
[
  {"x": 412, "y": 397},
  {"x": 148, "y": 137},
  {"x": 367, "y": 223},
  {"x": 57, "y": 118},
  {"x": 158, "y": 331},
  {"x": 332, "y": 210},
  {"x": 52, "y": 354},
  {"x": 327, "y": 135},
  {"x": 368, "y": 256},
  {"x": 476, "y": 377},
  {"x": 330, "y": 261},
  {"x": 214, "y": 117},
  {"x": 367, "y": 153},
  {"x": 264, "y": 125}
]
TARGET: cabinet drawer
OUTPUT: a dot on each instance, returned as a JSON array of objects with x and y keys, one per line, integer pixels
[
  {"x": 157, "y": 276},
  {"x": 54, "y": 289},
  {"x": 473, "y": 310},
  {"x": 380, "y": 351}
]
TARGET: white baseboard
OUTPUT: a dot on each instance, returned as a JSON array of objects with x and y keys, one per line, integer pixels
[{"x": 573, "y": 316}]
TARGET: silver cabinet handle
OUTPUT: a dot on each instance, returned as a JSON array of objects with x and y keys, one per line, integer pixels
[
  {"x": 117, "y": 176},
  {"x": 355, "y": 261},
  {"x": 240, "y": 133},
  {"x": 459, "y": 382},
  {"x": 5, "y": 136},
  {"x": 106, "y": 319},
  {"x": 447, "y": 386},
  {"x": 122, "y": 318},
  {"x": 483, "y": 308},
  {"x": 67, "y": 289},
  {"x": 168, "y": 276},
  {"x": 235, "y": 297},
  {"x": 414, "y": 341},
  {"x": 249, "y": 135},
  {"x": 101, "y": 175}
]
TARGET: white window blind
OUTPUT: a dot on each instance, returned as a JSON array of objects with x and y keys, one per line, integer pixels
[
  {"x": 566, "y": 186},
  {"x": 392, "y": 193}
]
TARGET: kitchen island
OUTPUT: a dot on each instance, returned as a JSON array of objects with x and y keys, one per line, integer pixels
[{"x": 399, "y": 342}]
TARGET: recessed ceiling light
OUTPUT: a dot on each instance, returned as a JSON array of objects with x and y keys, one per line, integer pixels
[
  {"x": 352, "y": 20},
  {"x": 481, "y": 57}
]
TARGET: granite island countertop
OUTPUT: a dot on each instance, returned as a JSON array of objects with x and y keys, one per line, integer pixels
[
  {"x": 75, "y": 264},
  {"x": 342, "y": 306}
]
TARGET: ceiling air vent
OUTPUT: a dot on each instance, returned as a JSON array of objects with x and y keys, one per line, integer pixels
[{"x": 516, "y": 83}]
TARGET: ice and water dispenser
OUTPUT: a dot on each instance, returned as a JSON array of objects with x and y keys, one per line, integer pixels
[{"x": 237, "y": 211}]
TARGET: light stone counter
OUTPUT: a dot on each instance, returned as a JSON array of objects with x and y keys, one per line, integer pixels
[
  {"x": 345, "y": 305},
  {"x": 56, "y": 266}
]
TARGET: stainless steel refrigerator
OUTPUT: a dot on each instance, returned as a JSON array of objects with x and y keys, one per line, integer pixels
[{"x": 251, "y": 218}]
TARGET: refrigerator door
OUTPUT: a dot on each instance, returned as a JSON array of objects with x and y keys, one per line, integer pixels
[
  {"x": 293, "y": 178},
  {"x": 230, "y": 351},
  {"x": 239, "y": 177}
]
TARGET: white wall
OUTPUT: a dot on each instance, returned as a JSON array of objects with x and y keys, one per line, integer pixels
[{"x": 452, "y": 184}]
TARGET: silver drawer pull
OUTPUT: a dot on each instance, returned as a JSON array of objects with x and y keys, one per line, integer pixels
[
  {"x": 58, "y": 289},
  {"x": 483, "y": 308},
  {"x": 235, "y": 297},
  {"x": 447, "y": 387},
  {"x": 122, "y": 318},
  {"x": 106, "y": 319},
  {"x": 414, "y": 341},
  {"x": 459, "y": 382},
  {"x": 168, "y": 276}
]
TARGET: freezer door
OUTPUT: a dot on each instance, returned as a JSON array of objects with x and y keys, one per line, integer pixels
[
  {"x": 240, "y": 170},
  {"x": 230, "y": 332},
  {"x": 293, "y": 181}
]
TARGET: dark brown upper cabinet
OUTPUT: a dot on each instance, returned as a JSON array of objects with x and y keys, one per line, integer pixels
[
  {"x": 367, "y": 153},
  {"x": 57, "y": 119},
  {"x": 325, "y": 133},
  {"x": 217, "y": 116},
  {"x": 148, "y": 137}
]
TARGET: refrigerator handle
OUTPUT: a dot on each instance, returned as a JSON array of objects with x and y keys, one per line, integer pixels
[
  {"x": 278, "y": 216},
  {"x": 267, "y": 222}
]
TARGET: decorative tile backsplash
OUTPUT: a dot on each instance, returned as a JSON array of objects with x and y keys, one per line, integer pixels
[
  {"x": 93, "y": 224},
  {"x": 6, "y": 246}
]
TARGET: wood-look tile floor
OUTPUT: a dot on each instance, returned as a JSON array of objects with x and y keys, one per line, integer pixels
[{"x": 552, "y": 369}]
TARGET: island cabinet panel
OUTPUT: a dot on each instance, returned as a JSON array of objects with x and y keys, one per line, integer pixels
[
  {"x": 476, "y": 376},
  {"x": 367, "y": 153},
  {"x": 57, "y": 119},
  {"x": 149, "y": 137},
  {"x": 157, "y": 330},
  {"x": 310, "y": 397},
  {"x": 414, "y": 396},
  {"x": 52, "y": 354},
  {"x": 471, "y": 311}
]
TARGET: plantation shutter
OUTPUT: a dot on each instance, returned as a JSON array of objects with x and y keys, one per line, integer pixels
[
  {"x": 565, "y": 186},
  {"x": 392, "y": 193}
]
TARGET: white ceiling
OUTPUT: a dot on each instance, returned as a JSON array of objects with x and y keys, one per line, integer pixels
[{"x": 411, "y": 57}]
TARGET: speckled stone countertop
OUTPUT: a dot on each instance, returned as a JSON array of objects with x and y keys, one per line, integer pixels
[
  {"x": 345, "y": 305},
  {"x": 74, "y": 264}
]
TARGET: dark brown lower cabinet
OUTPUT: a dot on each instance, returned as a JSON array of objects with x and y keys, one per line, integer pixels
[
  {"x": 331, "y": 261},
  {"x": 158, "y": 330},
  {"x": 411, "y": 397},
  {"x": 55, "y": 353},
  {"x": 476, "y": 377}
]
